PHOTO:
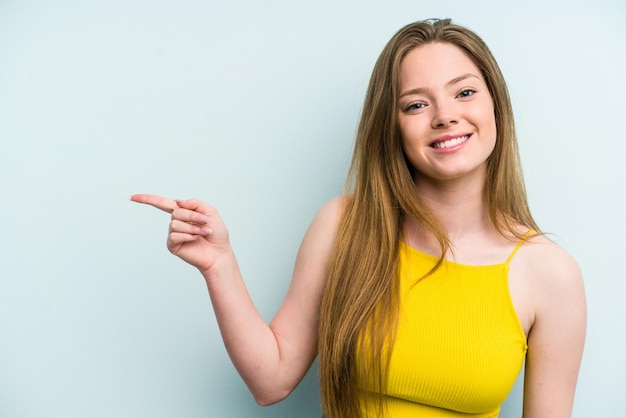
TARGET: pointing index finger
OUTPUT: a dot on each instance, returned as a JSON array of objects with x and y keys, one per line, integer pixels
[{"x": 159, "y": 202}]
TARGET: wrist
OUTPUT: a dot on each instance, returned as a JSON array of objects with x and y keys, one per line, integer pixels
[{"x": 224, "y": 267}]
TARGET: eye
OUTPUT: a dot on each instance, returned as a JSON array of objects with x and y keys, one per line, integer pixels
[
  {"x": 414, "y": 107},
  {"x": 466, "y": 93}
]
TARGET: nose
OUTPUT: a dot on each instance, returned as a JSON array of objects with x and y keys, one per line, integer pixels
[{"x": 444, "y": 115}]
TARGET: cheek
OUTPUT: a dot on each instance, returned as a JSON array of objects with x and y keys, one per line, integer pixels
[
  {"x": 494, "y": 130},
  {"x": 409, "y": 145},
  {"x": 411, "y": 133},
  {"x": 488, "y": 121},
  {"x": 412, "y": 153},
  {"x": 405, "y": 136},
  {"x": 491, "y": 140}
]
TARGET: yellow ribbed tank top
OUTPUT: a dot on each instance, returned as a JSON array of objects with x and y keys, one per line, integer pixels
[{"x": 459, "y": 346}]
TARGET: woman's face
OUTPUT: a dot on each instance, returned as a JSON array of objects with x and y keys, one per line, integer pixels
[{"x": 446, "y": 113}]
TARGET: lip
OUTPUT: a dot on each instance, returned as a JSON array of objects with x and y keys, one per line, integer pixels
[{"x": 449, "y": 137}]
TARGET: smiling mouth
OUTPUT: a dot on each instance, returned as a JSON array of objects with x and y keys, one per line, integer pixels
[{"x": 450, "y": 142}]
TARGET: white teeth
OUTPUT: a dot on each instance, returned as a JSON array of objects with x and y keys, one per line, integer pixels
[{"x": 450, "y": 142}]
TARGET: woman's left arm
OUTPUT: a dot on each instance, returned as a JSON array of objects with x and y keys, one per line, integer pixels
[{"x": 557, "y": 336}]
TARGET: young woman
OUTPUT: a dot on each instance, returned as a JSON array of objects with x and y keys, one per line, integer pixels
[{"x": 428, "y": 284}]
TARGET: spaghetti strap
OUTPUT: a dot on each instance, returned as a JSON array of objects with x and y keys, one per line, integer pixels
[{"x": 519, "y": 244}]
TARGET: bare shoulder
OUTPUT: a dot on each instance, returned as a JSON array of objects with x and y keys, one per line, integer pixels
[
  {"x": 319, "y": 241},
  {"x": 556, "y": 298},
  {"x": 298, "y": 315},
  {"x": 546, "y": 281},
  {"x": 332, "y": 210},
  {"x": 553, "y": 290},
  {"x": 323, "y": 228},
  {"x": 549, "y": 266}
]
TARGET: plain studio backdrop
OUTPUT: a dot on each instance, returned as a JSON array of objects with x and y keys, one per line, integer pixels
[{"x": 253, "y": 107}]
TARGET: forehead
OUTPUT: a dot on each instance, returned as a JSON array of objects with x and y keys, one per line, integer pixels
[{"x": 435, "y": 63}]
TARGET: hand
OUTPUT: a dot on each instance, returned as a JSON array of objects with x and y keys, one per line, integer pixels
[{"x": 196, "y": 232}]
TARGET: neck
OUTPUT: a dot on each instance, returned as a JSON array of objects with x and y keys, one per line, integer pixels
[{"x": 458, "y": 204}]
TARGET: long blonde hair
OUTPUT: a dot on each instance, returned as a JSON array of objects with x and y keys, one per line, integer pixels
[{"x": 359, "y": 308}]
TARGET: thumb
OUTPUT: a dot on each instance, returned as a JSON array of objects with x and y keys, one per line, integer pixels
[{"x": 196, "y": 206}]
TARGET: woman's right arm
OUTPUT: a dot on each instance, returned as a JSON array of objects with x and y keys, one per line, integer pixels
[{"x": 271, "y": 359}]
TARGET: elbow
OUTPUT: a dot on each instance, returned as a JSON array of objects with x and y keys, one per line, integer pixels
[
  {"x": 266, "y": 401},
  {"x": 268, "y": 398}
]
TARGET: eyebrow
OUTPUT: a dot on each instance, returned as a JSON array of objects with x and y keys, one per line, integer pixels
[{"x": 449, "y": 83}]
